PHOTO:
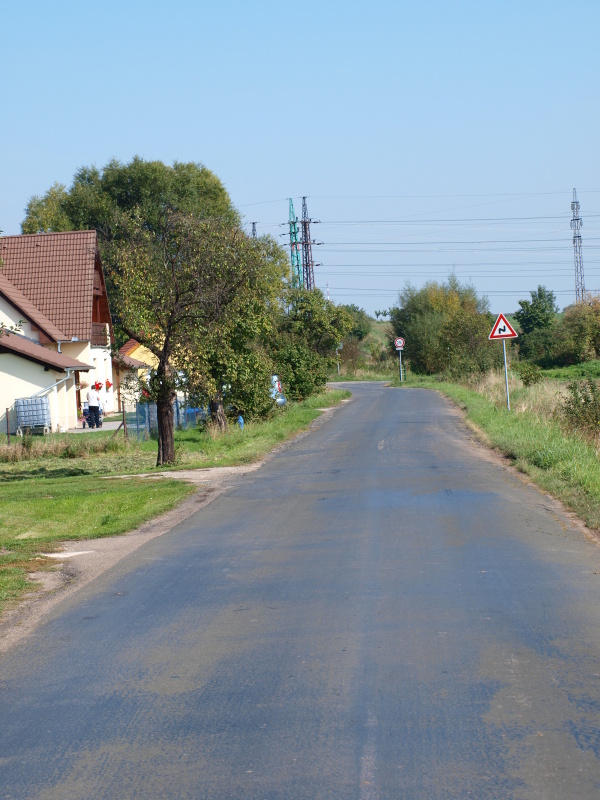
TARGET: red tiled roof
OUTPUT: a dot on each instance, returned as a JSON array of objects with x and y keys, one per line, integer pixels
[
  {"x": 127, "y": 361},
  {"x": 129, "y": 345},
  {"x": 26, "y": 307},
  {"x": 55, "y": 271},
  {"x": 19, "y": 345}
]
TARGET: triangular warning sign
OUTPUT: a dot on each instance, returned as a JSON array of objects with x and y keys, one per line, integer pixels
[{"x": 502, "y": 329}]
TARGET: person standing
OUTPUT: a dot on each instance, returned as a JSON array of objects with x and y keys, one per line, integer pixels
[{"x": 93, "y": 399}]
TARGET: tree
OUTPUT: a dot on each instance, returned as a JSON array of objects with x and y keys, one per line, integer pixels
[
  {"x": 179, "y": 284},
  {"x": 98, "y": 197},
  {"x": 445, "y": 327},
  {"x": 47, "y": 214},
  {"x": 577, "y": 335},
  {"x": 307, "y": 331},
  {"x": 361, "y": 323},
  {"x": 237, "y": 367},
  {"x": 537, "y": 313}
]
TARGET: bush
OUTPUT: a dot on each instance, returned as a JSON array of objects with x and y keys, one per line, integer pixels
[
  {"x": 530, "y": 374},
  {"x": 582, "y": 406}
]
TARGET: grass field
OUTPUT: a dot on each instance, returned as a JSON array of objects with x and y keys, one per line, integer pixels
[
  {"x": 589, "y": 369},
  {"x": 59, "y": 487}
]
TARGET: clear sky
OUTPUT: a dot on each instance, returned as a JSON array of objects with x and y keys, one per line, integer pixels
[{"x": 427, "y": 136}]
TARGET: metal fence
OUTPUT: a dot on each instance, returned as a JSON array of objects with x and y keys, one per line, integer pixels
[{"x": 142, "y": 422}]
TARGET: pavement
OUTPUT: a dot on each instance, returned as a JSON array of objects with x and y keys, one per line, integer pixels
[{"x": 381, "y": 610}]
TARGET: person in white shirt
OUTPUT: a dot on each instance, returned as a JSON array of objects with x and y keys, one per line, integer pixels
[{"x": 93, "y": 399}]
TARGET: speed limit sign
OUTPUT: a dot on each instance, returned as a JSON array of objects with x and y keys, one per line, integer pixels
[{"x": 399, "y": 343}]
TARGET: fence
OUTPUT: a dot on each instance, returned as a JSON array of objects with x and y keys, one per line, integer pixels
[{"x": 143, "y": 423}]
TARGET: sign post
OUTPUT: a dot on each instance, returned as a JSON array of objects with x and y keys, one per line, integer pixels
[
  {"x": 503, "y": 330},
  {"x": 399, "y": 345},
  {"x": 337, "y": 355}
]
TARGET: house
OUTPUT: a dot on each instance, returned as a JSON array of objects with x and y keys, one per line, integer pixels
[
  {"x": 138, "y": 361},
  {"x": 137, "y": 351},
  {"x": 52, "y": 288}
]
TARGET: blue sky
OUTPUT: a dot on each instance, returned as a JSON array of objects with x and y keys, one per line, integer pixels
[{"x": 428, "y": 136}]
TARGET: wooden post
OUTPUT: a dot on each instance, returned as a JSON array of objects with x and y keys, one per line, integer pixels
[
  {"x": 124, "y": 422},
  {"x": 7, "y": 426}
]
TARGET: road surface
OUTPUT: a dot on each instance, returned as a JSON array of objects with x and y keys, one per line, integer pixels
[{"x": 378, "y": 613}]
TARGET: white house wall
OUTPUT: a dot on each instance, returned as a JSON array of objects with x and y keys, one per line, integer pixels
[
  {"x": 24, "y": 378},
  {"x": 98, "y": 357},
  {"x": 12, "y": 318}
]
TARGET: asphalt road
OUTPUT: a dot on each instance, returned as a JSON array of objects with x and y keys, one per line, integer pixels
[{"x": 377, "y": 613}]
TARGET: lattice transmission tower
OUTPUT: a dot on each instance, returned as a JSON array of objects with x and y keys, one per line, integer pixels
[
  {"x": 576, "y": 224},
  {"x": 295, "y": 247},
  {"x": 308, "y": 265}
]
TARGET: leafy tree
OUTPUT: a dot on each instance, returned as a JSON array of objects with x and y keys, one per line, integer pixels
[
  {"x": 445, "y": 326},
  {"x": 182, "y": 285},
  {"x": 537, "y": 313},
  {"x": 98, "y": 197},
  {"x": 577, "y": 336},
  {"x": 236, "y": 369},
  {"x": 151, "y": 187},
  {"x": 307, "y": 331},
  {"x": 47, "y": 213},
  {"x": 361, "y": 322}
]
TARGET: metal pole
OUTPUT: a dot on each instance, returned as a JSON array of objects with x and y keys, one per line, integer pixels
[
  {"x": 7, "y": 426},
  {"x": 400, "y": 364},
  {"x": 506, "y": 374},
  {"x": 124, "y": 421}
]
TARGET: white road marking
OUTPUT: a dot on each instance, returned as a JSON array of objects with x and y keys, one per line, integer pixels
[{"x": 368, "y": 785}]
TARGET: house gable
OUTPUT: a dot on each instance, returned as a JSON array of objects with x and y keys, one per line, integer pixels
[
  {"x": 61, "y": 275},
  {"x": 22, "y": 307}
]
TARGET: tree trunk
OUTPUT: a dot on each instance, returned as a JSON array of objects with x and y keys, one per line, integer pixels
[
  {"x": 166, "y": 441},
  {"x": 217, "y": 412}
]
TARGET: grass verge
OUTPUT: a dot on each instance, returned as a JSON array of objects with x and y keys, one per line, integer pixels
[
  {"x": 564, "y": 464},
  {"x": 50, "y": 487}
]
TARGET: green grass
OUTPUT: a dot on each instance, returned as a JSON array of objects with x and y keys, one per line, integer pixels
[
  {"x": 60, "y": 487},
  {"x": 562, "y": 463},
  {"x": 589, "y": 369},
  {"x": 36, "y": 514}
]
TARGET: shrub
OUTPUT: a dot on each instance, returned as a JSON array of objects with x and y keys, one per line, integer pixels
[
  {"x": 581, "y": 407},
  {"x": 530, "y": 374}
]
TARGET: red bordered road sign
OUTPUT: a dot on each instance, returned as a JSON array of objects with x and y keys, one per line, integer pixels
[
  {"x": 503, "y": 329},
  {"x": 399, "y": 343}
]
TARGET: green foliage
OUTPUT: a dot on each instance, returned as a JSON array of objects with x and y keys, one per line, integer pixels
[
  {"x": 47, "y": 213},
  {"x": 530, "y": 373},
  {"x": 578, "y": 336},
  {"x": 150, "y": 187},
  {"x": 302, "y": 370},
  {"x": 307, "y": 330},
  {"x": 582, "y": 406},
  {"x": 196, "y": 293},
  {"x": 98, "y": 200},
  {"x": 538, "y": 312},
  {"x": 361, "y": 322},
  {"x": 539, "y": 345},
  {"x": 446, "y": 328}
]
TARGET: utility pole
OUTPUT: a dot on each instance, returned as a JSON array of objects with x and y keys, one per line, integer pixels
[
  {"x": 576, "y": 224},
  {"x": 254, "y": 230},
  {"x": 297, "y": 277},
  {"x": 308, "y": 265}
]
